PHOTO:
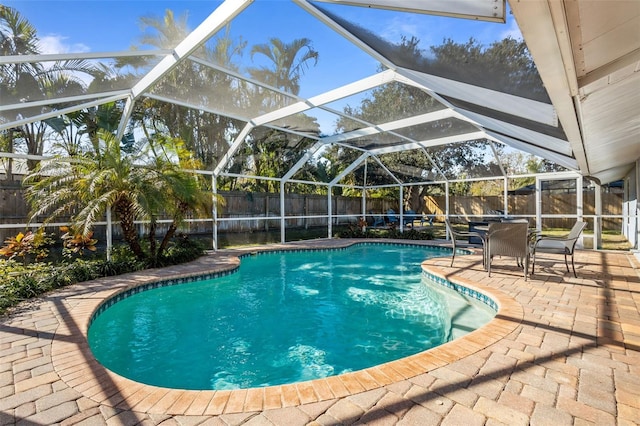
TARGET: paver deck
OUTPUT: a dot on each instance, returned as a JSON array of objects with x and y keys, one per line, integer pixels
[{"x": 561, "y": 351}]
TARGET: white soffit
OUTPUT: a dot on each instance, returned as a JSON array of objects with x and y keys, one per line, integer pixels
[
  {"x": 484, "y": 10},
  {"x": 605, "y": 35},
  {"x": 548, "y": 41},
  {"x": 611, "y": 121},
  {"x": 588, "y": 55}
]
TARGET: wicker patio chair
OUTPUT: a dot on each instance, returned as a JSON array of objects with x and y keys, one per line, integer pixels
[
  {"x": 509, "y": 239},
  {"x": 558, "y": 245}
]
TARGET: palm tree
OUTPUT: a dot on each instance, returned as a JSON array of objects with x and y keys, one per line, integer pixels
[
  {"x": 86, "y": 185},
  {"x": 17, "y": 36},
  {"x": 137, "y": 186},
  {"x": 288, "y": 61},
  {"x": 22, "y": 82},
  {"x": 175, "y": 193},
  {"x": 203, "y": 132}
]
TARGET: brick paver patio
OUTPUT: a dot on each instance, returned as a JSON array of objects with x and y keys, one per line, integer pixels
[{"x": 561, "y": 351}]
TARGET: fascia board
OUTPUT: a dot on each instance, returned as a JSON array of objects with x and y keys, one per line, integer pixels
[{"x": 483, "y": 10}]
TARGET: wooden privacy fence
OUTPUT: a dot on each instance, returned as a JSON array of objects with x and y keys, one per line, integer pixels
[
  {"x": 246, "y": 211},
  {"x": 474, "y": 207},
  {"x": 241, "y": 212},
  {"x": 302, "y": 210}
]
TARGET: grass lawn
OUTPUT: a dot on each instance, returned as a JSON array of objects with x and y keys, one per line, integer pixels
[{"x": 610, "y": 239}]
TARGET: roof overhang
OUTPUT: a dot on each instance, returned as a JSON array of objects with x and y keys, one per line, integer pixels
[{"x": 588, "y": 56}]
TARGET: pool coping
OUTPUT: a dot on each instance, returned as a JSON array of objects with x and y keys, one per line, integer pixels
[{"x": 75, "y": 364}]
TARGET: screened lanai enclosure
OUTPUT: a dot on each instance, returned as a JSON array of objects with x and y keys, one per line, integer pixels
[{"x": 315, "y": 114}]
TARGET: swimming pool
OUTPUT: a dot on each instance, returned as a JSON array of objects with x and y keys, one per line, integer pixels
[{"x": 283, "y": 317}]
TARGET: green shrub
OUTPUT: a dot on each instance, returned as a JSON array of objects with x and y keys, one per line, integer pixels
[
  {"x": 20, "y": 281},
  {"x": 181, "y": 250},
  {"x": 393, "y": 233}
]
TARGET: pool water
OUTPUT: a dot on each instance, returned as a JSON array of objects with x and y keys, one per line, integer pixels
[{"x": 284, "y": 317}]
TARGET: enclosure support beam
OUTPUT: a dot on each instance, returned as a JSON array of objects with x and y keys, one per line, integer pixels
[
  {"x": 124, "y": 119},
  {"x": 220, "y": 17},
  {"x": 329, "y": 212},
  {"x": 364, "y": 194},
  {"x": 109, "y": 233},
  {"x": 401, "y": 209},
  {"x": 579, "y": 201},
  {"x": 349, "y": 169},
  {"x": 233, "y": 148},
  {"x": 505, "y": 193},
  {"x": 538, "y": 204},
  {"x": 597, "y": 220},
  {"x": 214, "y": 211},
  {"x": 446, "y": 207},
  {"x": 282, "y": 214}
]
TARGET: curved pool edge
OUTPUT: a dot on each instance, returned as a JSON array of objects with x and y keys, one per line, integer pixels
[{"x": 73, "y": 360}]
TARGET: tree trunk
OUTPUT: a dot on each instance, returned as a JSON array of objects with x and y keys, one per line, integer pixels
[
  {"x": 125, "y": 214},
  {"x": 152, "y": 238},
  {"x": 167, "y": 237},
  {"x": 183, "y": 208},
  {"x": 412, "y": 199}
]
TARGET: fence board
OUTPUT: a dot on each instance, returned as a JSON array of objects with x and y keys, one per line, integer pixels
[{"x": 13, "y": 209}]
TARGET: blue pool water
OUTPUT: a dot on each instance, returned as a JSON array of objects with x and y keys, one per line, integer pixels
[{"x": 284, "y": 317}]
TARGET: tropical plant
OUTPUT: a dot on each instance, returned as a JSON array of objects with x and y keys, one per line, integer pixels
[
  {"x": 176, "y": 193},
  {"x": 204, "y": 133},
  {"x": 75, "y": 242},
  {"x": 29, "y": 243},
  {"x": 137, "y": 186},
  {"x": 287, "y": 63},
  {"x": 22, "y": 82}
]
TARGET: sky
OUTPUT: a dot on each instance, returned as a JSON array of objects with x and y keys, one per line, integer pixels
[{"x": 79, "y": 26}]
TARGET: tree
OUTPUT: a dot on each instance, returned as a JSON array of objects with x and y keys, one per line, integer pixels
[
  {"x": 505, "y": 65},
  {"x": 275, "y": 152},
  {"x": 205, "y": 133},
  {"x": 287, "y": 63},
  {"x": 139, "y": 185},
  {"x": 23, "y": 82}
]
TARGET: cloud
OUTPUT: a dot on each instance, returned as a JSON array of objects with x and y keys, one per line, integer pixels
[
  {"x": 409, "y": 26},
  {"x": 55, "y": 43},
  {"x": 397, "y": 27},
  {"x": 512, "y": 31}
]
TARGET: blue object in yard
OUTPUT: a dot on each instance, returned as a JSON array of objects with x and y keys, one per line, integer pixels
[
  {"x": 391, "y": 216},
  {"x": 409, "y": 217},
  {"x": 378, "y": 220}
]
